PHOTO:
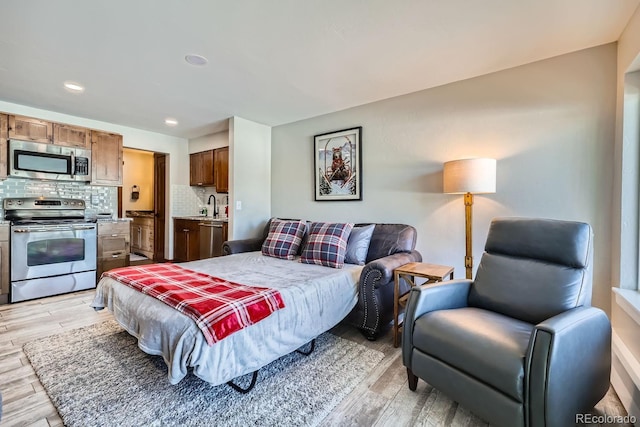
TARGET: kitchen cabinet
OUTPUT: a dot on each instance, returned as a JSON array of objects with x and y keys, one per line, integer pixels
[
  {"x": 113, "y": 246},
  {"x": 186, "y": 242},
  {"x": 221, "y": 169},
  {"x": 142, "y": 236},
  {"x": 4, "y": 136},
  {"x": 71, "y": 136},
  {"x": 30, "y": 129},
  {"x": 212, "y": 234},
  {"x": 201, "y": 169},
  {"x": 4, "y": 264},
  {"x": 106, "y": 158}
]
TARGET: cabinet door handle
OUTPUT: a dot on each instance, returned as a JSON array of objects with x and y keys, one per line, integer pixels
[
  {"x": 186, "y": 230},
  {"x": 114, "y": 235}
]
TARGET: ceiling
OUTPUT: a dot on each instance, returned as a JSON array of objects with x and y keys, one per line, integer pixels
[{"x": 272, "y": 62}]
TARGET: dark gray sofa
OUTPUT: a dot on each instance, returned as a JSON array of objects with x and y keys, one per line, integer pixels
[{"x": 392, "y": 245}]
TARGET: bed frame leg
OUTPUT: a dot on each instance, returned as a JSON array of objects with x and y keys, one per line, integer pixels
[
  {"x": 313, "y": 346},
  {"x": 239, "y": 389}
]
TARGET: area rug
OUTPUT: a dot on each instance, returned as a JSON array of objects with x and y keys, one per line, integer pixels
[{"x": 97, "y": 376}]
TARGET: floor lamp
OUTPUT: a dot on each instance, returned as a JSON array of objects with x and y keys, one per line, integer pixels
[{"x": 469, "y": 177}]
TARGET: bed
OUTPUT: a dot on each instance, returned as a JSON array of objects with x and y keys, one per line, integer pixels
[
  {"x": 354, "y": 283},
  {"x": 316, "y": 298}
]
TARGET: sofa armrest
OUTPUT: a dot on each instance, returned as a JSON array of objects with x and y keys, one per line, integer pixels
[
  {"x": 426, "y": 298},
  {"x": 380, "y": 271},
  {"x": 568, "y": 363},
  {"x": 245, "y": 245}
]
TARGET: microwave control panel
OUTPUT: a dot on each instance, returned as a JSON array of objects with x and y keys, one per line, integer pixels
[{"x": 82, "y": 166}]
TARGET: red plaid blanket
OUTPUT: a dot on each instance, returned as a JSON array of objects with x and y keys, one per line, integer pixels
[{"x": 218, "y": 307}]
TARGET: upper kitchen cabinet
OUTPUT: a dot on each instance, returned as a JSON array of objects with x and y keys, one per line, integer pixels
[
  {"x": 4, "y": 135},
  {"x": 71, "y": 136},
  {"x": 201, "y": 169},
  {"x": 106, "y": 158},
  {"x": 221, "y": 169},
  {"x": 30, "y": 129}
]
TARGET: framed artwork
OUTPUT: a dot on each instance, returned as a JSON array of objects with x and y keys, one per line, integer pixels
[{"x": 338, "y": 165}]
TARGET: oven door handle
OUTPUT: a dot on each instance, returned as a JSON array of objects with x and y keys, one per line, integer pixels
[{"x": 42, "y": 230}]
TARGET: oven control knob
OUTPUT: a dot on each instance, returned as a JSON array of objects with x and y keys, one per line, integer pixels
[
  {"x": 65, "y": 203},
  {"x": 19, "y": 202},
  {"x": 9, "y": 202}
]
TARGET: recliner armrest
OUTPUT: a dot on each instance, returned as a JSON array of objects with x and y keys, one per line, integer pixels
[
  {"x": 244, "y": 245},
  {"x": 568, "y": 362},
  {"x": 425, "y": 298}
]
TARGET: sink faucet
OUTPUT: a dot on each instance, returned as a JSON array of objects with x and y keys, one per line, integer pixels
[{"x": 215, "y": 206}]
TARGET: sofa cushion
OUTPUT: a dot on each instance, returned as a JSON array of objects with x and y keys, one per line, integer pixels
[
  {"x": 358, "y": 244},
  {"x": 388, "y": 239},
  {"x": 283, "y": 239},
  {"x": 498, "y": 345},
  {"x": 326, "y": 244}
]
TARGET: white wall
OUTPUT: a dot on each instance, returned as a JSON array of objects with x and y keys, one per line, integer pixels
[
  {"x": 250, "y": 177},
  {"x": 209, "y": 142},
  {"x": 625, "y": 376},
  {"x": 550, "y": 125},
  {"x": 176, "y": 148}
]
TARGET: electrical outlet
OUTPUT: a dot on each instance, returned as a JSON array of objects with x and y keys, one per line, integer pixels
[
  {"x": 238, "y": 205},
  {"x": 95, "y": 199}
]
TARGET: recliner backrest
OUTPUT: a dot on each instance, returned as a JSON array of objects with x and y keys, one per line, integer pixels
[{"x": 533, "y": 269}]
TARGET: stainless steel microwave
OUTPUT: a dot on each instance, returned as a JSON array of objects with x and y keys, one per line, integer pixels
[{"x": 47, "y": 161}]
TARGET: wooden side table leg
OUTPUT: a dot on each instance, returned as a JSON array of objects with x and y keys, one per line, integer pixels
[{"x": 396, "y": 302}]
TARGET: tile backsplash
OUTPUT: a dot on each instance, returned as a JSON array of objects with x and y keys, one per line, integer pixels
[
  {"x": 189, "y": 200},
  {"x": 105, "y": 199}
]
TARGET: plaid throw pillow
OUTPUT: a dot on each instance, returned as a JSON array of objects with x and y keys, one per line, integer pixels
[
  {"x": 283, "y": 239},
  {"x": 327, "y": 244}
]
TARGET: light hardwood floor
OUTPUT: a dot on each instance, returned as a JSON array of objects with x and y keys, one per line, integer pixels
[{"x": 383, "y": 399}]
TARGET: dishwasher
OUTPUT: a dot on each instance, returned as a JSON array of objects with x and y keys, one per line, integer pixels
[{"x": 211, "y": 239}]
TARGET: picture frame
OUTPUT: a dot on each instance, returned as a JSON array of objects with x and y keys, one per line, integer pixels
[{"x": 338, "y": 165}]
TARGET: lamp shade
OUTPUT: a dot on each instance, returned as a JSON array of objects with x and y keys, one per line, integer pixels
[{"x": 470, "y": 176}]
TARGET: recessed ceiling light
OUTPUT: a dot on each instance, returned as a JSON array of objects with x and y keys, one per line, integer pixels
[
  {"x": 170, "y": 121},
  {"x": 73, "y": 87},
  {"x": 196, "y": 60}
]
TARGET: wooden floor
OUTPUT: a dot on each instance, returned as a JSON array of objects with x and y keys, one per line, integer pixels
[{"x": 383, "y": 399}]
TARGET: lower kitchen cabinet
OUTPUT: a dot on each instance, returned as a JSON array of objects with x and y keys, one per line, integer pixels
[
  {"x": 186, "y": 241},
  {"x": 142, "y": 236},
  {"x": 4, "y": 264},
  {"x": 113, "y": 246}
]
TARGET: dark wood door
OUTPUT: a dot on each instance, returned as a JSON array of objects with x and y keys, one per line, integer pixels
[
  {"x": 159, "y": 203},
  {"x": 186, "y": 240}
]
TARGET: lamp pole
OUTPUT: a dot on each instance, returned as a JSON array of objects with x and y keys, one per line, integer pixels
[{"x": 468, "y": 259}]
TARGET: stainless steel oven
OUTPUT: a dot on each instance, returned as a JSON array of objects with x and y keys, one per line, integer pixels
[{"x": 53, "y": 248}]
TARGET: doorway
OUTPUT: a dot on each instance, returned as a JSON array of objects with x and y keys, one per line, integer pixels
[{"x": 143, "y": 199}]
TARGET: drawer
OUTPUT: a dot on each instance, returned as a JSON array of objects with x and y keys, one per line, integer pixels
[
  {"x": 119, "y": 254},
  {"x": 113, "y": 243},
  {"x": 4, "y": 232},
  {"x": 107, "y": 228},
  {"x": 111, "y": 263}
]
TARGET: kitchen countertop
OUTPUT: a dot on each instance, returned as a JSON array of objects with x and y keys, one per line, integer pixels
[
  {"x": 114, "y": 219},
  {"x": 201, "y": 218},
  {"x": 139, "y": 214}
]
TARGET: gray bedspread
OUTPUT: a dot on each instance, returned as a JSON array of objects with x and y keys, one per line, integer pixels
[{"x": 316, "y": 298}]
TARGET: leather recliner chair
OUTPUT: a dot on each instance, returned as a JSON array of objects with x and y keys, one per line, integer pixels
[{"x": 520, "y": 345}]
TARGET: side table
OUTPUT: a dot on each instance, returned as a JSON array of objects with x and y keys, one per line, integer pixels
[{"x": 432, "y": 272}]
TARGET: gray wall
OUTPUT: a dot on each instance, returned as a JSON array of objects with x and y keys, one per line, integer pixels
[{"x": 550, "y": 125}]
